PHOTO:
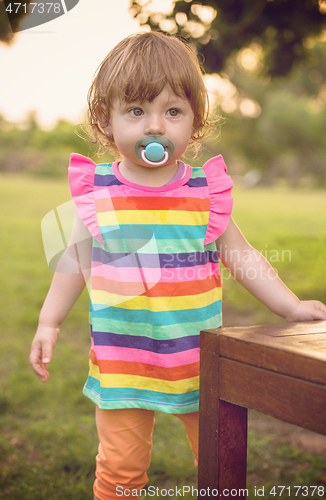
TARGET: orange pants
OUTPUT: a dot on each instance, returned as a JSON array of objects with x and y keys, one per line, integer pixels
[{"x": 124, "y": 451}]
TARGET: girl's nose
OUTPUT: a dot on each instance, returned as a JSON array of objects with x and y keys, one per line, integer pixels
[{"x": 155, "y": 125}]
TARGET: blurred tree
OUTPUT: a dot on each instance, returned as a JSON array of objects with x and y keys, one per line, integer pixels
[
  {"x": 16, "y": 15},
  {"x": 276, "y": 127},
  {"x": 219, "y": 28},
  {"x": 26, "y": 147}
]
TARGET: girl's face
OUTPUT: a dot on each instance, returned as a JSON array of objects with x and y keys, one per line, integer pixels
[{"x": 167, "y": 115}]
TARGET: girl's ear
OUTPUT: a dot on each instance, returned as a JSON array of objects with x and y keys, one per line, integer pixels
[{"x": 103, "y": 118}]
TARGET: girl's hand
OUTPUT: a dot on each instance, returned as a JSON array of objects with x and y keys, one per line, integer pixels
[
  {"x": 307, "y": 310},
  {"x": 41, "y": 350}
]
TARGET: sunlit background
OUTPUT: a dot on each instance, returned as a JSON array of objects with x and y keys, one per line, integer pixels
[{"x": 48, "y": 69}]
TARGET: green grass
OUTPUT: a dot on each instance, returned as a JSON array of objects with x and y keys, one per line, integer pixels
[
  {"x": 288, "y": 227},
  {"x": 47, "y": 432}
]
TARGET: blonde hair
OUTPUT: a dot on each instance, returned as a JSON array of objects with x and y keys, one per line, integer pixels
[{"x": 139, "y": 68}]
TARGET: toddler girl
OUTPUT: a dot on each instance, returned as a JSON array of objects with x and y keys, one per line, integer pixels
[{"x": 159, "y": 229}]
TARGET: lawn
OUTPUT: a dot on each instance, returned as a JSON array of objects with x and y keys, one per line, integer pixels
[{"x": 47, "y": 432}]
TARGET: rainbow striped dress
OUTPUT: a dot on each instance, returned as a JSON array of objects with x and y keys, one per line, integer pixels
[{"x": 155, "y": 281}]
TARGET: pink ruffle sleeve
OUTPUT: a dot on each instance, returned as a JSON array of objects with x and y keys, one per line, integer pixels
[
  {"x": 221, "y": 201},
  {"x": 81, "y": 173}
]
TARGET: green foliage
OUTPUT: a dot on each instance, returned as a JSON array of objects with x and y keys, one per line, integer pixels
[
  {"x": 219, "y": 28},
  {"x": 28, "y": 148},
  {"x": 284, "y": 135},
  {"x": 286, "y": 138},
  {"x": 48, "y": 439}
]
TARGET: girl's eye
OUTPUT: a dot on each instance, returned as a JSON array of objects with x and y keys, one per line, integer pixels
[
  {"x": 173, "y": 112},
  {"x": 136, "y": 111}
]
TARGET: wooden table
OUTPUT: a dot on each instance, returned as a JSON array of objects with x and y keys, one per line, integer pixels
[{"x": 279, "y": 370}]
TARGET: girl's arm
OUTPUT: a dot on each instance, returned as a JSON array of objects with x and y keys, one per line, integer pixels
[
  {"x": 64, "y": 291},
  {"x": 254, "y": 272}
]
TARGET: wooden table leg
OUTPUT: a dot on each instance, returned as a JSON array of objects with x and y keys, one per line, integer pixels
[
  {"x": 229, "y": 471},
  {"x": 279, "y": 370},
  {"x": 222, "y": 438},
  {"x": 232, "y": 447}
]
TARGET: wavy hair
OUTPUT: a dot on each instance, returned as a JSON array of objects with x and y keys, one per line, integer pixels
[{"x": 138, "y": 69}]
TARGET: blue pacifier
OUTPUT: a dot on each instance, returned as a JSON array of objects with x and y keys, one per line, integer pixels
[{"x": 154, "y": 149}]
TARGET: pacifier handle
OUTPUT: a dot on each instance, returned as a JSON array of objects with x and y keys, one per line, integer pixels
[{"x": 156, "y": 163}]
